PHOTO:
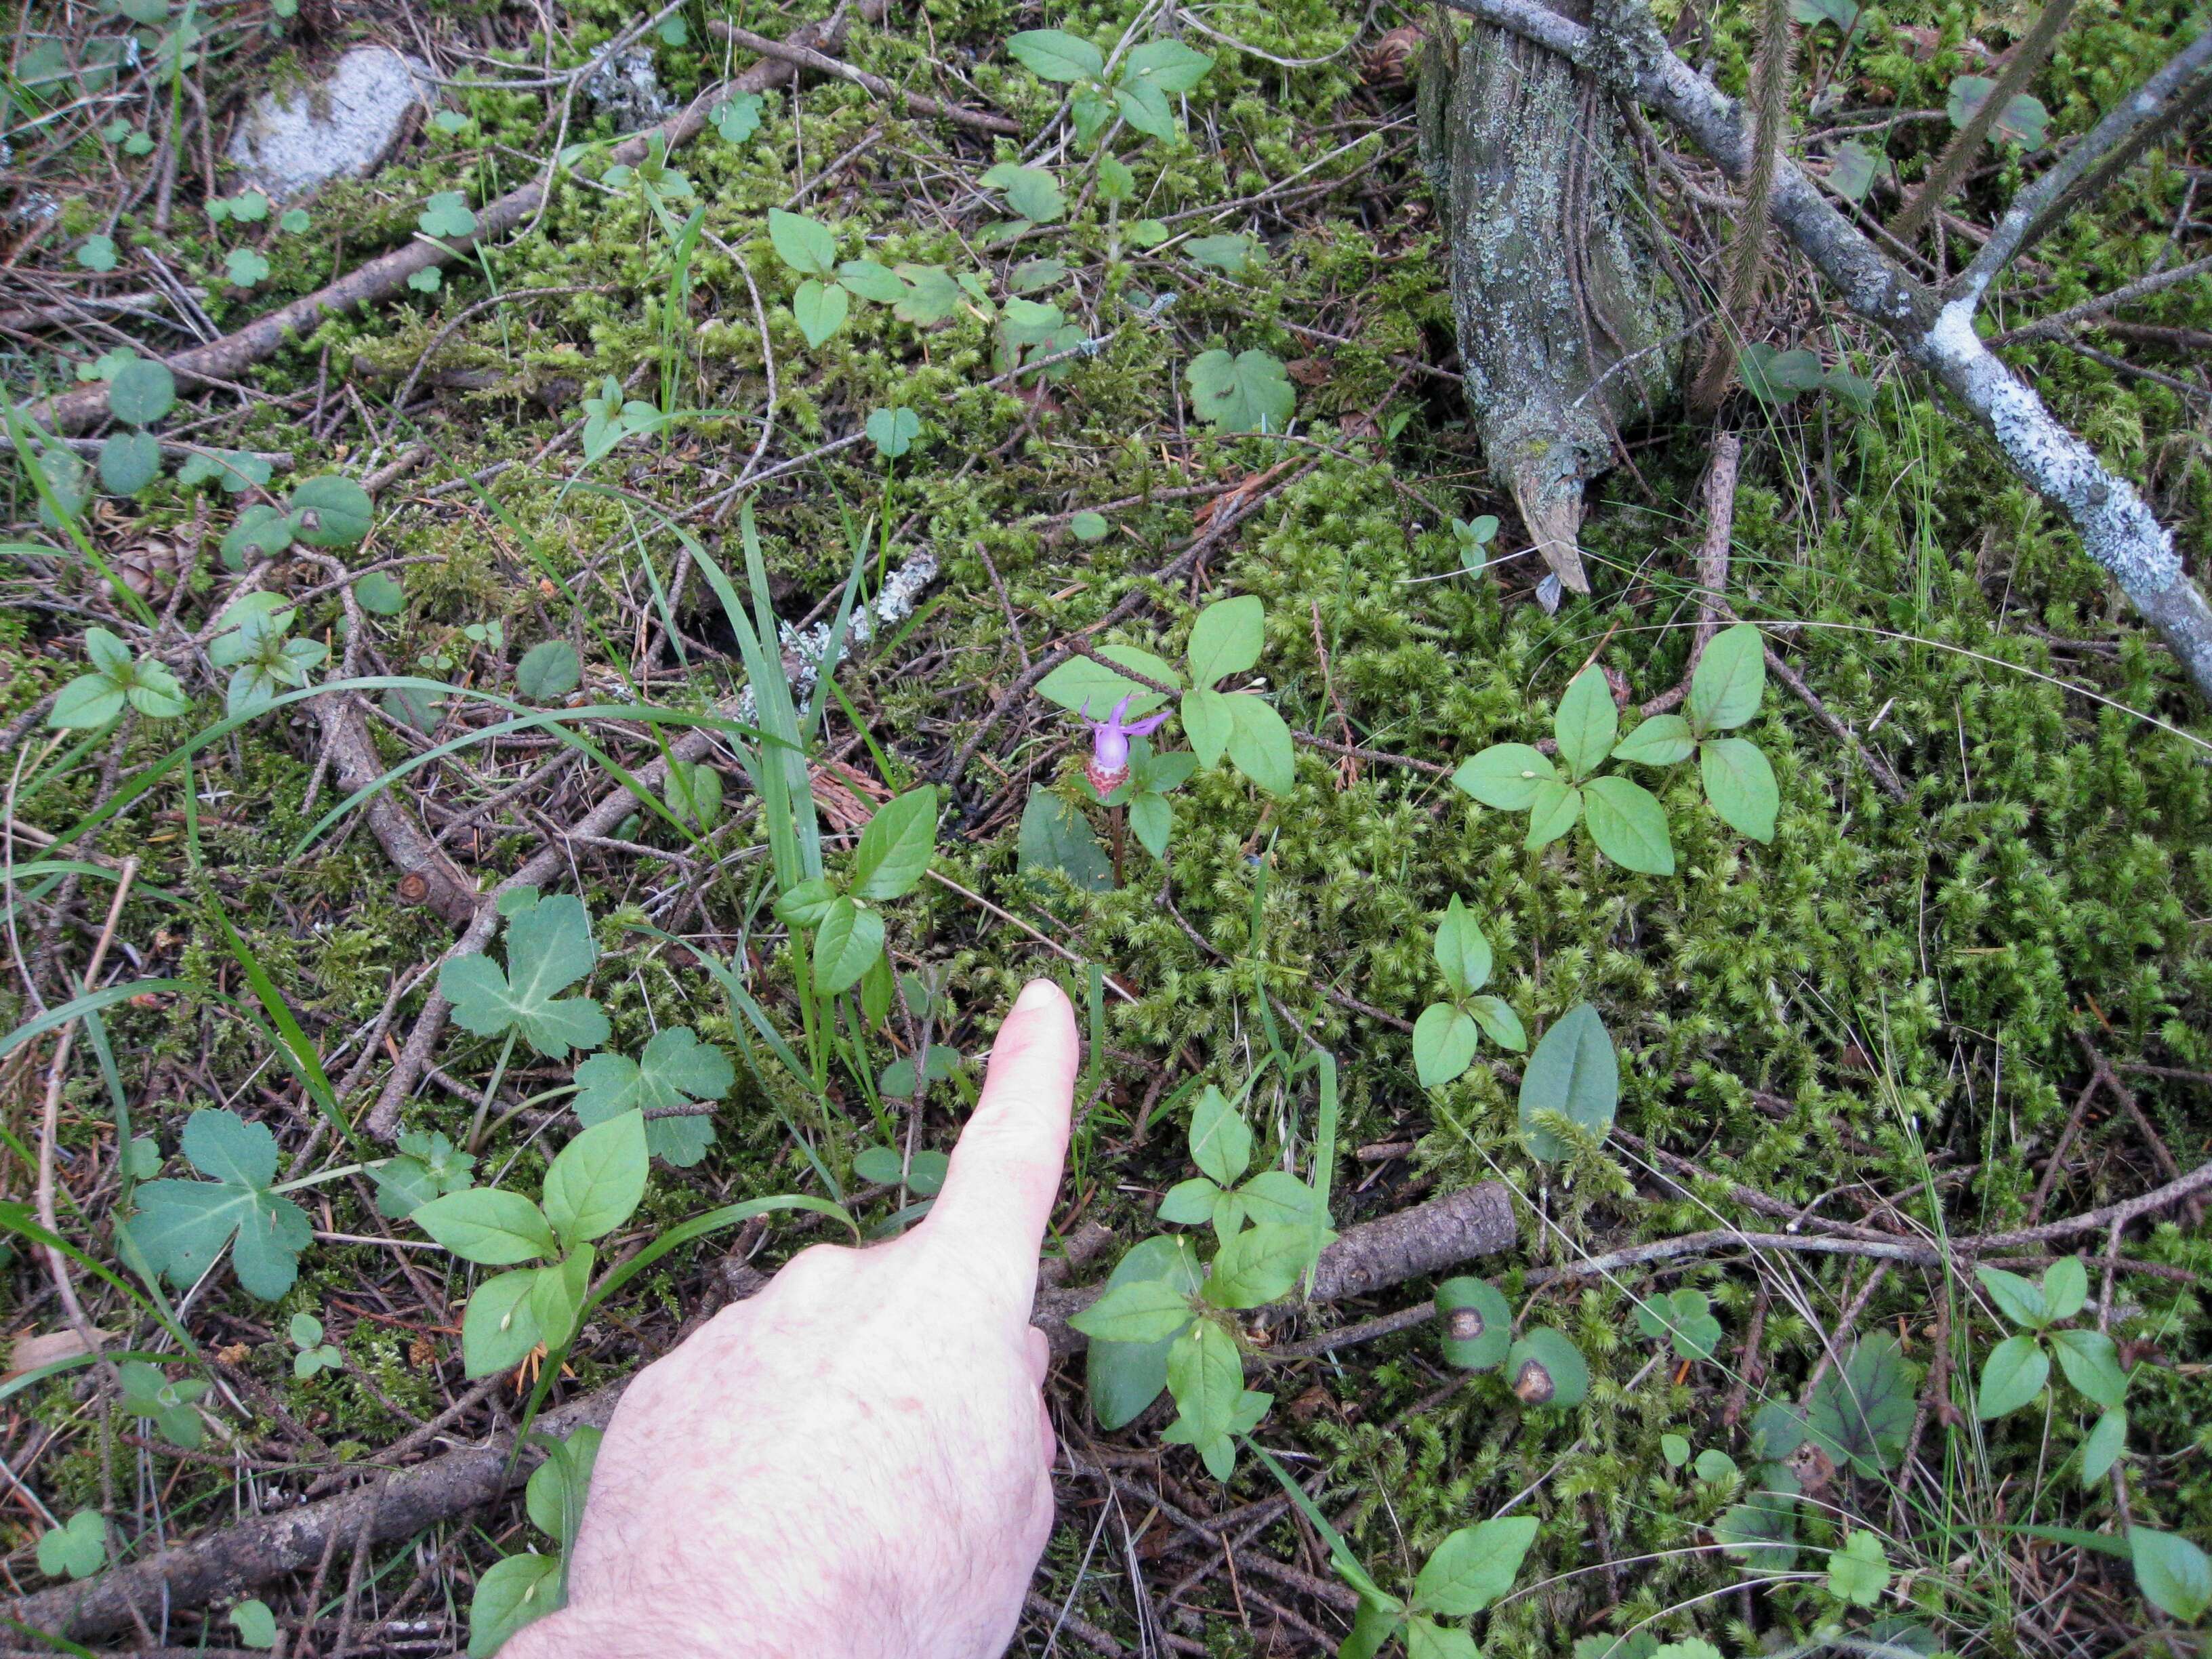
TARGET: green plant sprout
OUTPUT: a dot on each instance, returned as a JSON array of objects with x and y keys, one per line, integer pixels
[
  {"x": 1448, "y": 1033},
  {"x": 893, "y": 856},
  {"x": 118, "y": 680},
  {"x": 520, "y": 1588},
  {"x": 313, "y": 1355}
]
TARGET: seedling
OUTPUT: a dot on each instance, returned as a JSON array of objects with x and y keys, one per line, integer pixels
[
  {"x": 315, "y": 1354},
  {"x": 1448, "y": 1033},
  {"x": 118, "y": 679}
]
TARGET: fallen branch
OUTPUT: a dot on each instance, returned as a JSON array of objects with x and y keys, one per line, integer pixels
[
  {"x": 1366, "y": 1257},
  {"x": 821, "y": 63},
  {"x": 387, "y": 274},
  {"x": 2118, "y": 529}
]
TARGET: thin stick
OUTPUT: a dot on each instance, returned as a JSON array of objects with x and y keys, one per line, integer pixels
[{"x": 920, "y": 103}]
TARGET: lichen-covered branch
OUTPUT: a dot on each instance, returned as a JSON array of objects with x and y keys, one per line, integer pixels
[{"x": 2116, "y": 527}]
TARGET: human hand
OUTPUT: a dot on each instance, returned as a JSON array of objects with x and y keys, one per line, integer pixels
[{"x": 856, "y": 1461}]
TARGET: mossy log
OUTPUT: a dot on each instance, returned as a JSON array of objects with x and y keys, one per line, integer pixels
[{"x": 1568, "y": 330}]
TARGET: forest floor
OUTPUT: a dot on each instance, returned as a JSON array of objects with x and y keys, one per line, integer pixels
[{"x": 1963, "y": 990}]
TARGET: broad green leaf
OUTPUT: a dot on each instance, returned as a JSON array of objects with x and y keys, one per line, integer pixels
[
  {"x": 1861, "y": 1410},
  {"x": 1151, "y": 819},
  {"x": 488, "y": 1224},
  {"x": 1628, "y": 824},
  {"x": 446, "y": 214},
  {"x": 1259, "y": 1266},
  {"x": 1189, "y": 1203},
  {"x": 1445, "y": 1043},
  {"x": 1427, "y": 1639},
  {"x": 1031, "y": 192},
  {"x": 1226, "y": 638},
  {"x": 865, "y": 279},
  {"x": 142, "y": 391},
  {"x": 548, "y": 670},
  {"x": 804, "y": 905},
  {"x": 1662, "y": 740},
  {"x": 1729, "y": 680},
  {"x": 1462, "y": 950},
  {"x": 1474, "y": 1324},
  {"x": 1220, "y": 1141},
  {"x": 599, "y": 1180},
  {"x": 1557, "y": 808},
  {"x": 931, "y": 296},
  {"x": 2091, "y": 1361},
  {"x": 2102, "y": 1447},
  {"x": 1500, "y": 1022},
  {"x": 2173, "y": 1574},
  {"x": 255, "y": 1624},
  {"x": 807, "y": 247},
  {"x": 1079, "y": 683},
  {"x": 1506, "y": 776},
  {"x": 2065, "y": 1286},
  {"x": 1206, "y": 1375},
  {"x": 1123, "y": 1378},
  {"x": 675, "y": 1070},
  {"x": 549, "y": 948},
  {"x": 1232, "y": 256},
  {"x": 258, "y": 532},
  {"x": 76, "y": 1549},
  {"x": 129, "y": 461},
  {"x": 1859, "y": 1572},
  {"x": 1053, "y": 55},
  {"x": 1574, "y": 1073},
  {"x": 1144, "y": 107},
  {"x": 1586, "y": 722},
  {"x": 1761, "y": 1532},
  {"x": 1741, "y": 786},
  {"x": 819, "y": 308},
  {"x": 1248, "y": 393},
  {"x": 2020, "y": 1300},
  {"x": 498, "y": 1328},
  {"x": 893, "y": 431},
  {"x": 1140, "y": 1310},
  {"x": 1209, "y": 722},
  {"x": 1372, "y": 1627},
  {"x": 1277, "y": 1195},
  {"x": 2013, "y": 1375},
  {"x": 1260, "y": 742},
  {"x": 2025, "y": 120},
  {"x": 1474, "y": 1566},
  {"x": 426, "y": 1164},
  {"x": 1168, "y": 65},
  {"x": 556, "y": 1296},
  {"x": 512, "y": 1594},
  {"x": 1088, "y": 526},
  {"x": 896, "y": 847},
  {"x": 1853, "y": 173},
  {"x": 1545, "y": 1369},
  {"x": 737, "y": 119},
  {"x": 846, "y": 945},
  {"x": 182, "y": 1227},
  {"x": 1056, "y": 834}
]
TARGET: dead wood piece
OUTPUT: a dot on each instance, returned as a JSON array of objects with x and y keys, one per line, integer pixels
[
  {"x": 387, "y": 274},
  {"x": 822, "y": 63}
]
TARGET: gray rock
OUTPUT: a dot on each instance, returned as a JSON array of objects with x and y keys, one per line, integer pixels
[{"x": 343, "y": 126}]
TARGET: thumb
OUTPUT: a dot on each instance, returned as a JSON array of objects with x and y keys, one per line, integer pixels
[{"x": 998, "y": 1196}]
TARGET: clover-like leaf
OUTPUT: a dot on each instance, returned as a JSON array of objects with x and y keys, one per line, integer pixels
[
  {"x": 447, "y": 215},
  {"x": 182, "y": 1227},
  {"x": 1248, "y": 393},
  {"x": 675, "y": 1070},
  {"x": 76, "y": 1549},
  {"x": 549, "y": 948}
]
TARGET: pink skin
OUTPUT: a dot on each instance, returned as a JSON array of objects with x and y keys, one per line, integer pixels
[
  {"x": 1109, "y": 738},
  {"x": 855, "y": 1462}
]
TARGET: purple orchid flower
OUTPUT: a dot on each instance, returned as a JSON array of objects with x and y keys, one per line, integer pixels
[{"x": 1109, "y": 744}]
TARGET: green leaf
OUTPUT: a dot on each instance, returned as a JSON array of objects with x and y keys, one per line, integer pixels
[
  {"x": 2065, "y": 1287},
  {"x": 1685, "y": 1319},
  {"x": 556, "y": 1296},
  {"x": 1115, "y": 182},
  {"x": 1088, "y": 526},
  {"x": 1662, "y": 740},
  {"x": 675, "y": 1070},
  {"x": 1444, "y": 1042},
  {"x": 2091, "y": 1361},
  {"x": 1031, "y": 192},
  {"x": 1506, "y": 776},
  {"x": 1144, "y": 107},
  {"x": 865, "y": 279},
  {"x": 1628, "y": 824},
  {"x": 2102, "y": 1447},
  {"x": 1556, "y": 809},
  {"x": 1260, "y": 742},
  {"x": 819, "y": 308},
  {"x": 1053, "y": 55},
  {"x": 1139, "y": 1310},
  {"x": 1545, "y": 1369},
  {"x": 1153, "y": 820},
  {"x": 1277, "y": 1195},
  {"x": 446, "y": 214},
  {"x": 802, "y": 244},
  {"x": 1474, "y": 1324},
  {"x": 260, "y": 531},
  {"x": 1427, "y": 1639},
  {"x": 256, "y": 1624},
  {"x": 1741, "y": 786},
  {"x": 2020, "y": 1300},
  {"x": 1462, "y": 951},
  {"x": 548, "y": 670},
  {"x": 1210, "y": 722},
  {"x": 1232, "y": 256},
  {"x": 97, "y": 253},
  {"x": 1586, "y": 722},
  {"x": 599, "y": 1180},
  {"x": 129, "y": 461},
  {"x": 1189, "y": 1203},
  {"x": 1220, "y": 1141},
  {"x": 1054, "y": 834},
  {"x": 1248, "y": 393},
  {"x": 1258, "y": 1266},
  {"x": 243, "y": 267},
  {"x": 848, "y": 942},
  {"x": 76, "y": 1549},
  {"x": 1500, "y": 1022},
  {"x": 1080, "y": 682},
  {"x": 893, "y": 431},
  {"x": 2025, "y": 120},
  {"x": 1474, "y": 1566},
  {"x": 1861, "y": 1410},
  {"x": 1761, "y": 1532},
  {"x": 1372, "y": 1627},
  {"x": 896, "y": 847},
  {"x": 1574, "y": 1073},
  {"x": 1226, "y": 638},
  {"x": 1859, "y": 1572},
  {"x": 331, "y": 510},
  {"x": 931, "y": 296},
  {"x": 489, "y": 1225},
  {"x": 2172, "y": 1573},
  {"x": 1729, "y": 680},
  {"x": 509, "y": 1595},
  {"x": 2013, "y": 1375},
  {"x": 1168, "y": 65},
  {"x": 737, "y": 119},
  {"x": 499, "y": 1329},
  {"x": 142, "y": 391},
  {"x": 1206, "y": 1375},
  {"x": 1853, "y": 173},
  {"x": 1123, "y": 1378},
  {"x": 549, "y": 948},
  {"x": 182, "y": 1227}
]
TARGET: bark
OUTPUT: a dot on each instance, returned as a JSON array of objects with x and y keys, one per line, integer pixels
[
  {"x": 387, "y": 274},
  {"x": 2118, "y": 529},
  {"x": 1566, "y": 332}
]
